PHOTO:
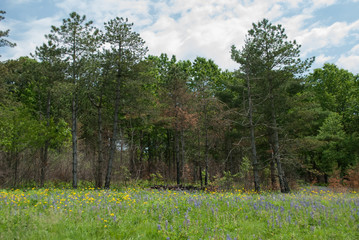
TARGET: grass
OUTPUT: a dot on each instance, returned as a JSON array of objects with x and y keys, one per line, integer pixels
[{"x": 151, "y": 214}]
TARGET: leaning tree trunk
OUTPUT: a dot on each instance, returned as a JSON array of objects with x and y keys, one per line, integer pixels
[{"x": 284, "y": 187}]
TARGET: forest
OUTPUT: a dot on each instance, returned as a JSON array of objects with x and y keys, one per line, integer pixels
[{"x": 91, "y": 106}]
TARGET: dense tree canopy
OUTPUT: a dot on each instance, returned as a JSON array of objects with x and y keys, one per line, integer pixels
[{"x": 159, "y": 119}]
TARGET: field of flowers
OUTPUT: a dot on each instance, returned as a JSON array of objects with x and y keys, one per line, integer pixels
[{"x": 156, "y": 214}]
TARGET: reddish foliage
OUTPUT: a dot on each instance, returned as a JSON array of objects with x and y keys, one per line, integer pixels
[{"x": 347, "y": 183}]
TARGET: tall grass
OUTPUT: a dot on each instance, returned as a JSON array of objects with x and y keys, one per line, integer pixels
[{"x": 151, "y": 214}]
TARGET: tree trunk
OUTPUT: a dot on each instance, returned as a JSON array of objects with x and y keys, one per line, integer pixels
[
  {"x": 133, "y": 168},
  {"x": 74, "y": 114},
  {"x": 326, "y": 178},
  {"x": 177, "y": 150},
  {"x": 98, "y": 181},
  {"x": 74, "y": 141},
  {"x": 121, "y": 148},
  {"x": 272, "y": 173},
  {"x": 114, "y": 135},
  {"x": 200, "y": 175},
  {"x": 199, "y": 155},
  {"x": 253, "y": 139},
  {"x": 139, "y": 159},
  {"x": 115, "y": 121},
  {"x": 284, "y": 187},
  {"x": 206, "y": 146},
  {"x": 182, "y": 155},
  {"x": 15, "y": 158},
  {"x": 44, "y": 151},
  {"x": 174, "y": 166},
  {"x": 168, "y": 153},
  {"x": 150, "y": 155},
  {"x": 44, "y": 160},
  {"x": 121, "y": 154}
]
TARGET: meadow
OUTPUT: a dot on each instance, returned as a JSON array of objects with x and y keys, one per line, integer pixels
[{"x": 135, "y": 213}]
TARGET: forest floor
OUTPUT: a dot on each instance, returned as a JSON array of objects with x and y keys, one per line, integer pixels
[{"x": 135, "y": 213}]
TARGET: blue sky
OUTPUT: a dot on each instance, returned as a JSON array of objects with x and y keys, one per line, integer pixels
[{"x": 326, "y": 29}]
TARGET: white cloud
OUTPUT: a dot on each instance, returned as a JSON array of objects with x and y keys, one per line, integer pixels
[
  {"x": 200, "y": 27},
  {"x": 322, "y": 3},
  {"x": 321, "y": 59},
  {"x": 185, "y": 28},
  {"x": 355, "y": 49},
  {"x": 103, "y": 10},
  {"x": 350, "y": 63},
  {"x": 31, "y": 35},
  {"x": 325, "y": 36},
  {"x": 205, "y": 28},
  {"x": 293, "y": 25},
  {"x": 210, "y": 27},
  {"x": 350, "y": 60}
]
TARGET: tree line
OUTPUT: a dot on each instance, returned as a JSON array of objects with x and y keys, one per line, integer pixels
[{"x": 91, "y": 104}]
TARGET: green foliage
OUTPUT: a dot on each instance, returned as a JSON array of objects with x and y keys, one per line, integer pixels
[
  {"x": 327, "y": 120},
  {"x": 175, "y": 114},
  {"x": 231, "y": 181},
  {"x": 28, "y": 86},
  {"x": 156, "y": 178},
  {"x": 267, "y": 49},
  {"x": 127, "y": 47},
  {"x": 336, "y": 91},
  {"x": 337, "y": 148},
  {"x": 332, "y": 129},
  {"x": 245, "y": 167},
  {"x": 19, "y": 130}
]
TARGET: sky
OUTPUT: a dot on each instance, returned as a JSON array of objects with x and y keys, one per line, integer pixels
[{"x": 326, "y": 29}]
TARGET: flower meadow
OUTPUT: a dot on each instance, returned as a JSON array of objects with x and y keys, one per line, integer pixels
[{"x": 163, "y": 214}]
